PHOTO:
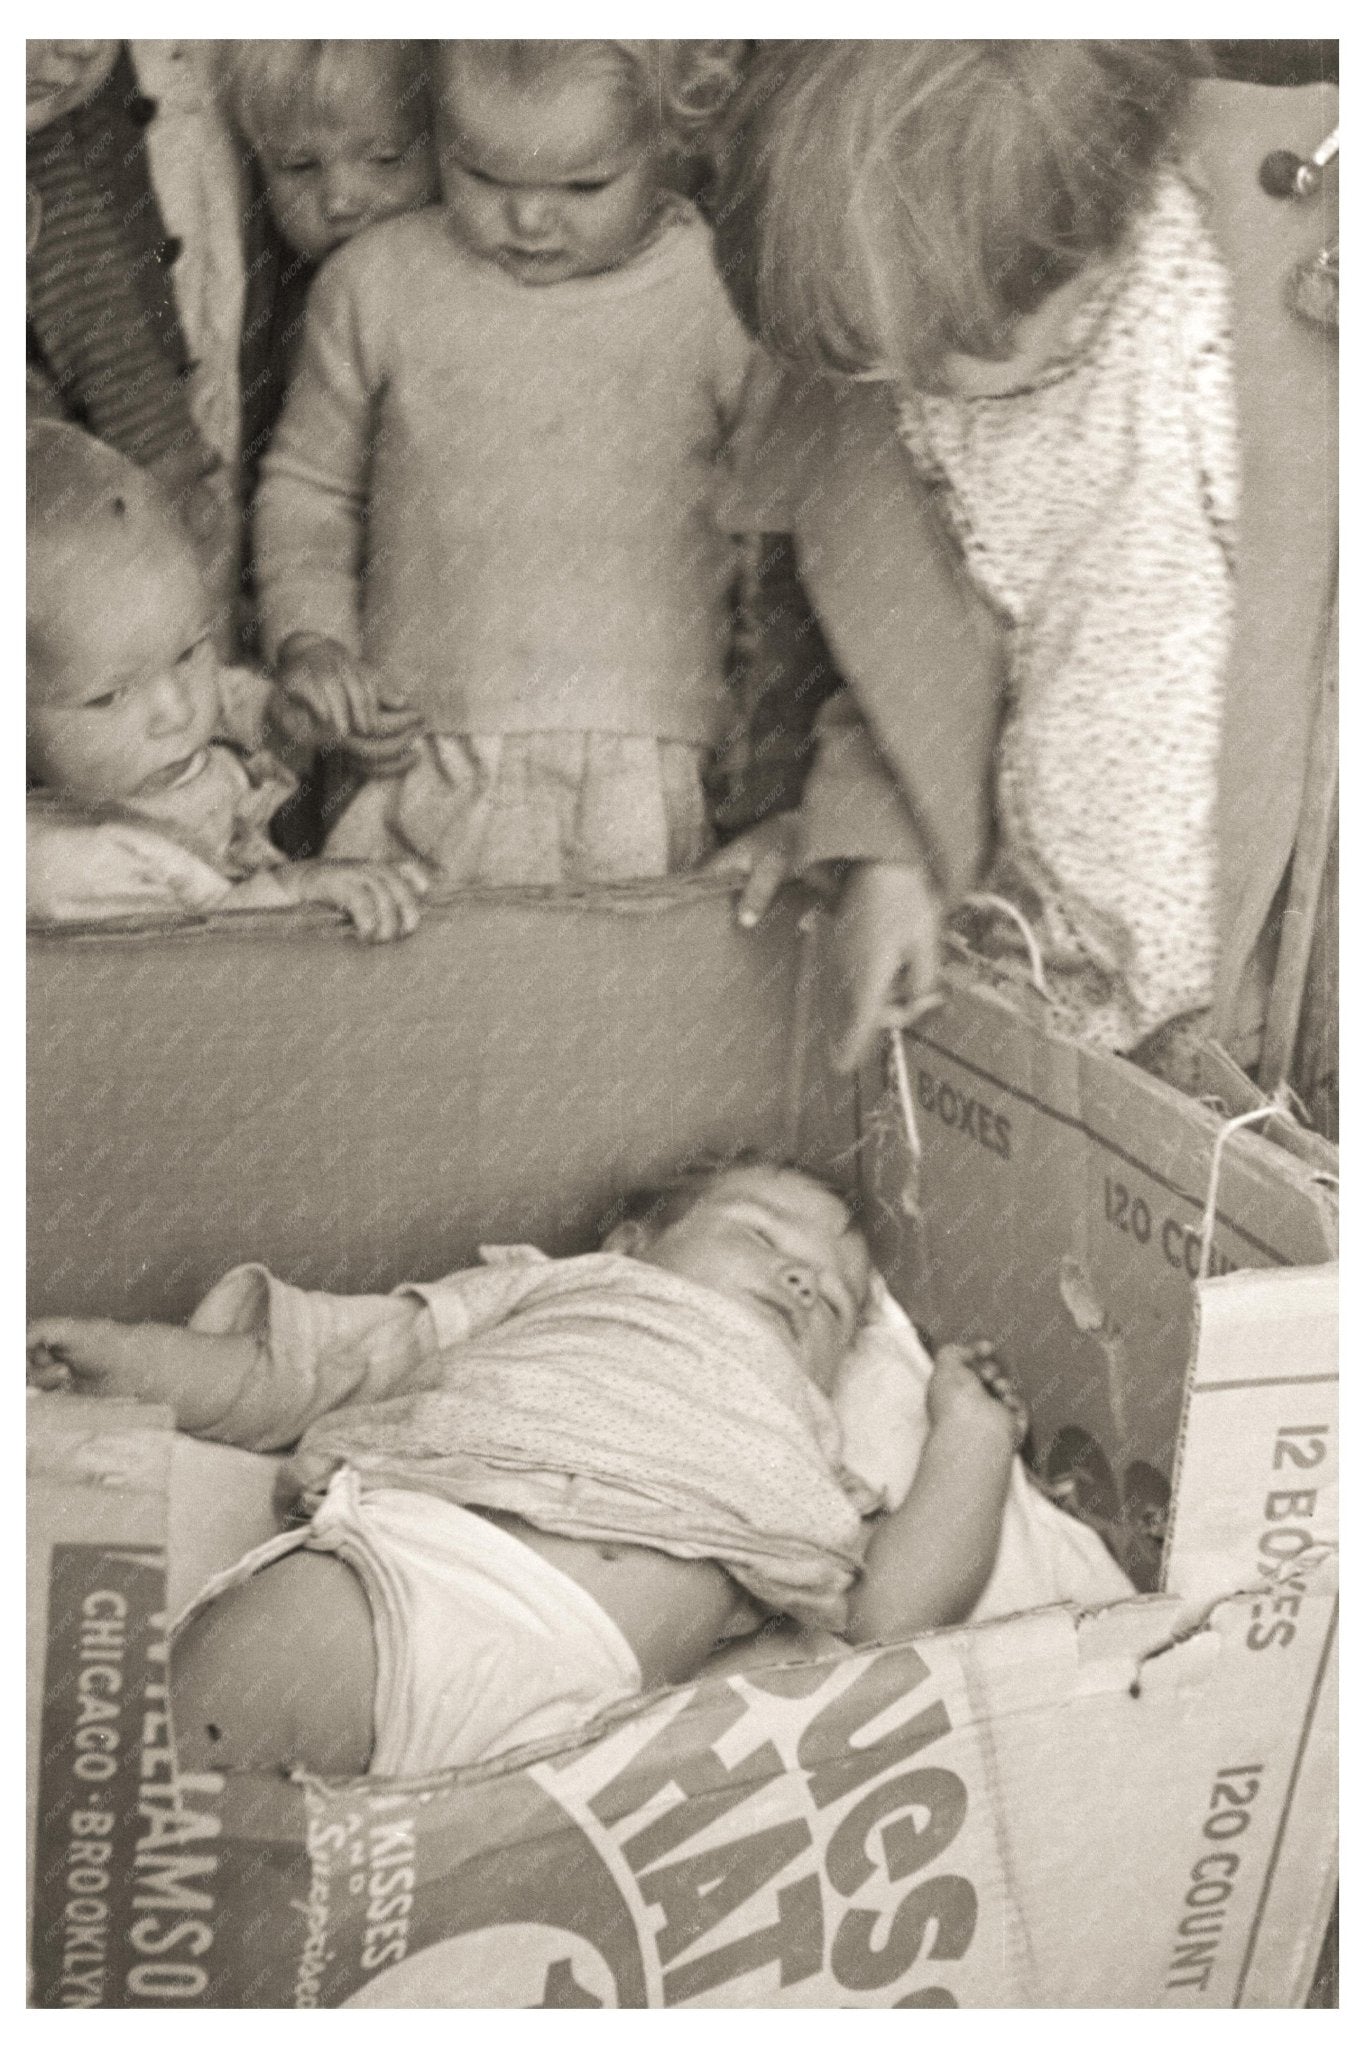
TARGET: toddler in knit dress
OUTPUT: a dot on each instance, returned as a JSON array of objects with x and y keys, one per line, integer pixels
[
  {"x": 1003, "y": 236},
  {"x": 491, "y": 496}
]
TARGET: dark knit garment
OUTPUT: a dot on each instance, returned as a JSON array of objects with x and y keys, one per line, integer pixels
[{"x": 102, "y": 321}]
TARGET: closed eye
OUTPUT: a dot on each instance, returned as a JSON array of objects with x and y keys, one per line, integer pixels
[
  {"x": 589, "y": 184},
  {"x": 295, "y": 167},
  {"x": 105, "y": 702}
]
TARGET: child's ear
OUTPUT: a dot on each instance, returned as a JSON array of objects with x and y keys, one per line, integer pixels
[{"x": 627, "y": 1238}]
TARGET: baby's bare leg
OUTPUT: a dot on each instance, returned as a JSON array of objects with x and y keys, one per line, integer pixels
[{"x": 279, "y": 1671}]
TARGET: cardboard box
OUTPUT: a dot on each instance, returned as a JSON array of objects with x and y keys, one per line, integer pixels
[{"x": 1127, "y": 1809}]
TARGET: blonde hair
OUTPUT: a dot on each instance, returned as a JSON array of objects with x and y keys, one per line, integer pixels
[
  {"x": 884, "y": 204},
  {"x": 681, "y": 86},
  {"x": 272, "y": 87}
]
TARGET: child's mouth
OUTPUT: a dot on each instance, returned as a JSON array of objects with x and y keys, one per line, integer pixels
[{"x": 175, "y": 771}]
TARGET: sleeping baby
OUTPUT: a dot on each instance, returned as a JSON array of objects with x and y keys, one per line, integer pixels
[{"x": 541, "y": 1487}]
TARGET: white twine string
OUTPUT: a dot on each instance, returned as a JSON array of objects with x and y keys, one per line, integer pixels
[
  {"x": 906, "y": 1102},
  {"x": 983, "y": 900},
  {"x": 1235, "y": 1123}
]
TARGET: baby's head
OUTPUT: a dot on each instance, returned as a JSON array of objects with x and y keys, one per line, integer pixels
[
  {"x": 122, "y": 678},
  {"x": 61, "y": 76},
  {"x": 556, "y": 158},
  {"x": 342, "y": 131},
  {"x": 771, "y": 1238},
  {"x": 931, "y": 213}
]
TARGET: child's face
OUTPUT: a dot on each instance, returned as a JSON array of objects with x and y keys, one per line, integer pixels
[
  {"x": 370, "y": 160},
  {"x": 127, "y": 695},
  {"x": 62, "y": 76},
  {"x": 778, "y": 1243},
  {"x": 550, "y": 181}
]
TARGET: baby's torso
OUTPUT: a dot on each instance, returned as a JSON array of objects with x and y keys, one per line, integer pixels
[
  {"x": 607, "y": 1402},
  {"x": 671, "y": 1610}
]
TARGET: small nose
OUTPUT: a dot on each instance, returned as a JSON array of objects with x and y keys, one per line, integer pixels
[
  {"x": 171, "y": 703},
  {"x": 340, "y": 194},
  {"x": 798, "y": 1281},
  {"x": 529, "y": 214}
]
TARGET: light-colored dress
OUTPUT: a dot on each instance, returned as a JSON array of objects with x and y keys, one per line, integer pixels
[{"x": 1096, "y": 509}]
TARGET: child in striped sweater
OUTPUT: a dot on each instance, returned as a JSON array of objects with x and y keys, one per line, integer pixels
[{"x": 135, "y": 273}]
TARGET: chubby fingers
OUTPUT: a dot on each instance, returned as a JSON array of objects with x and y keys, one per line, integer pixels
[
  {"x": 389, "y": 901},
  {"x": 46, "y": 1344},
  {"x": 973, "y": 1355},
  {"x": 767, "y": 873},
  {"x": 360, "y": 686},
  {"x": 320, "y": 697},
  {"x": 376, "y": 712},
  {"x": 999, "y": 1382},
  {"x": 762, "y": 859},
  {"x": 392, "y": 747}
]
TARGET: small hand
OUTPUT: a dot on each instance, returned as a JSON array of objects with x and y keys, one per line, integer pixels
[
  {"x": 971, "y": 1386},
  {"x": 330, "y": 698},
  {"x": 79, "y": 1354},
  {"x": 888, "y": 953},
  {"x": 383, "y": 899},
  {"x": 763, "y": 858}
]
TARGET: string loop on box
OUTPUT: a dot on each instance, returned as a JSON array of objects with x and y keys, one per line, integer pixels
[
  {"x": 1225, "y": 1131},
  {"x": 905, "y": 1100},
  {"x": 983, "y": 899}
]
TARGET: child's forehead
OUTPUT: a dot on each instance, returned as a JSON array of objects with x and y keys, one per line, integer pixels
[
  {"x": 564, "y": 117},
  {"x": 122, "y": 616},
  {"x": 360, "y": 97},
  {"x": 785, "y": 1193}
]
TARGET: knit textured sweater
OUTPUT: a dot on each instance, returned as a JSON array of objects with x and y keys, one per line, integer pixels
[{"x": 503, "y": 495}]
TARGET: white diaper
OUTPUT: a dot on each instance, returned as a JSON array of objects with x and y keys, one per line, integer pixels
[{"x": 481, "y": 1645}]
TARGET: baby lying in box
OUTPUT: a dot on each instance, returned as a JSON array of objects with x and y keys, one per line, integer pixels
[{"x": 541, "y": 1487}]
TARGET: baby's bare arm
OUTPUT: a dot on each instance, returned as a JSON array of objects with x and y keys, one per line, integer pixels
[
  {"x": 928, "y": 1562},
  {"x": 197, "y": 1375}
]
